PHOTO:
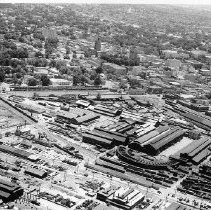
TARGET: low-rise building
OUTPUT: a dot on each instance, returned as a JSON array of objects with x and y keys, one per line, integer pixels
[
  {"x": 116, "y": 69},
  {"x": 60, "y": 82}
]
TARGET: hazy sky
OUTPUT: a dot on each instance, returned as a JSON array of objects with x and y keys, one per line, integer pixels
[{"x": 113, "y": 1}]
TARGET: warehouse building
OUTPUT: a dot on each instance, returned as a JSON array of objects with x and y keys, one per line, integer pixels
[
  {"x": 176, "y": 206},
  {"x": 35, "y": 172},
  {"x": 163, "y": 141},
  {"x": 198, "y": 119},
  {"x": 105, "y": 138},
  {"x": 138, "y": 143},
  {"x": 84, "y": 119},
  {"x": 65, "y": 117},
  {"x": 196, "y": 107},
  {"x": 111, "y": 112},
  {"x": 121, "y": 127},
  {"x": 195, "y": 152},
  {"x": 105, "y": 193},
  {"x": 82, "y": 103},
  {"x": 9, "y": 191},
  {"x": 116, "y": 137},
  {"x": 76, "y": 117},
  {"x": 17, "y": 152},
  {"x": 124, "y": 198},
  {"x": 97, "y": 140},
  {"x": 141, "y": 101},
  {"x": 131, "y": 115}
]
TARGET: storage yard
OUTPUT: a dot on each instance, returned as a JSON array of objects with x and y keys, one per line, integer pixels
[{"x": 84, "y": 153}]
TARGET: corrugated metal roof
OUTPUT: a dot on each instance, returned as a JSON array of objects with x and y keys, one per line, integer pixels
[
  {"x": 172, "y": 134},
  {"x": 97, "y": 139},
  {"x": 191, "y": 147},
  {"x": 86, "y": 117},
  {"x": 35, "y": 171},
  {"x": 201, "y": 156},
  {"x": 200, "y": 148},
  {"x": 4, "y": 194}
]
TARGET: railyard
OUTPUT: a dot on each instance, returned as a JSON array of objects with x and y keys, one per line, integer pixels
[
  {"x": 105, "y": 106},
  {"x": 63, "y": 158}
]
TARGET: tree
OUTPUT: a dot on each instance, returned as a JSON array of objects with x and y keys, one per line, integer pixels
[
  {"x": 22, "y": 53},
  {"x": 32, "y": 82},
  {"x": 2, "y": 76},
  {"x": 83, "y": 80},
  {"x": 48, "y": 51},
  {"x": 76, "y": 80},
  {"x": 21, "y": 39},
  {"x": 134, "y": 83},
  {"x": 60, "y": 64},
  {"x": 98, "y": 97},
  {"x": 14, "y": 79},
  {"x": 97, "y": 80},
  {"x": 18, "y": 75},
  {"x": 45, "y": 80},
  {"x": 14, "y": 63},
  {"x": 122, "y": 84},
  {"x": 63, "y": 69},
  {"x": 99, "y": 70},
  {"x": 52, "y": 63},
  {"x": 38, "y": 54}
]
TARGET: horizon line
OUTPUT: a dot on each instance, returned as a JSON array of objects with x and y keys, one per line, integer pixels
[{"x": 116, "y": 2}]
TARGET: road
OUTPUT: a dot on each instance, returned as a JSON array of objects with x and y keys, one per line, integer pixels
[{"x": 58, "y": 93}]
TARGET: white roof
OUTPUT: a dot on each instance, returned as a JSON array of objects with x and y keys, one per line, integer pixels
[
  {"x": 119, "y": 192},
  {"x": 187, "y": 96},
  {"x": 136, "y": 199},
  {"x": 59, "y": 80},
  {"x": 135, "y": 192}
]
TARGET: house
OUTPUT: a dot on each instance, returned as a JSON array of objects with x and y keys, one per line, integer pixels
[
  {"x": 116, "y": 69},
  {"x": 59, "y": 82}
]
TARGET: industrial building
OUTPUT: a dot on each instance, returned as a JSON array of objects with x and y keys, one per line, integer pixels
[
  {"x": 35, "y": 172},
  {"x": 17, "y": 152},
  {"x": 163, "y": 141},
  {"x": 140, "y": 159},
  {"x": 177, "y": 206},
  {"x": 82, "y": 103},
  {"x": 121, "y": 127},
  {"x": 104, "y": 110},
  {"x": 141, "y": 102},
  {"x": 138, "y": 143},
  {"x": 157, "y": 140},
  {"x": 120, "y": 197},
  {"x": 196, "y": 107},
  {"x": 76, "y": 116},
  {"x": 84, "y": 119},
  {"x": 195, "y": 152},
  {"x": 103, "y": 137},
  {"x": 9, "y": 191},
  {"x": 198, "y": 119}
]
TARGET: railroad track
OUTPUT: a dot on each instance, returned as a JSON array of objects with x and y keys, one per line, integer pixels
[{"x": 16, "y": 112}]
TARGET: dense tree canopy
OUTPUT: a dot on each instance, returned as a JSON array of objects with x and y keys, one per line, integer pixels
[
  {"x": 32, "y": 82},
  {"x": 45, "y": 80}
]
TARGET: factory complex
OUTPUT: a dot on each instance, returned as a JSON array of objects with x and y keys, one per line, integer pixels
[{"x": 161, "y": 149}]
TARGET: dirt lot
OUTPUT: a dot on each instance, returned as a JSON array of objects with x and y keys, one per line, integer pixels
[{"x": 8, "y": 118}]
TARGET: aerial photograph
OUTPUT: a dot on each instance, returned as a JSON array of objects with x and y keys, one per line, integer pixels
[{"x": 105, "y": 105}]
